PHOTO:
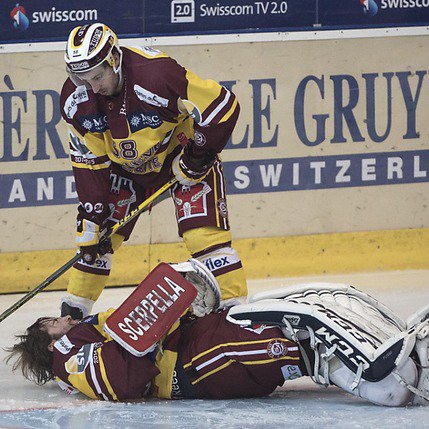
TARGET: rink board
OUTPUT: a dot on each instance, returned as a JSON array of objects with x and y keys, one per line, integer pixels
[
  {"x": 262, "y": 258},
  {"x": 331, "y": 143}
]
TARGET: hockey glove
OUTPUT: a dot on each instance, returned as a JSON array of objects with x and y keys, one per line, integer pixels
[
  {"x": 87, "y": 239},
  {"x": 189, "y": 169}
]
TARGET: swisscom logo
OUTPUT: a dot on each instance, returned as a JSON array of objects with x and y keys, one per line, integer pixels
[
  {"x": 19, "y": 17},
  {"x": 21, "y": 22},
  {"x": 369, "y": 7}
]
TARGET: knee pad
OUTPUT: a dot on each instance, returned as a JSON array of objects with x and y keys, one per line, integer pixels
[{"x": 225, "y": 264}]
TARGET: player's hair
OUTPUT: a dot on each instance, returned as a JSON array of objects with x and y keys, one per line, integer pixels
[{"x": 32, "y": 354}]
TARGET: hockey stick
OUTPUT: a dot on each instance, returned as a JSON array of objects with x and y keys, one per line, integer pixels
[{"x": 106, "y": 234}]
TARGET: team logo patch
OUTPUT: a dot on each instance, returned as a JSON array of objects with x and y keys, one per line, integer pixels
[
  {"x": 276, "y": 349},
  {"x": 222, "y": 207},
  {"x": 94, "y": 123},
  {"x": 191, "y": 201},
  {"x": 199, "y": 138},
  {"x": 139, "y": 120},
  {"x": 123, "y": 195}
]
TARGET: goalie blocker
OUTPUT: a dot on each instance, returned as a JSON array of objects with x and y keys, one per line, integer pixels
[
  {"x": 159, "y": 301},
  {"x": 354, "y": 341}
]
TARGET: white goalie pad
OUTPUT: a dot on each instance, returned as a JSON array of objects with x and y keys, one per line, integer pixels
[{"x": 364, "y": 334}]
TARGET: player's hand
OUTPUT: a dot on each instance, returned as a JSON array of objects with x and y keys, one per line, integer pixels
[
  {"x": 87, "y": 239},
  {"x": 189, "y": 169}
]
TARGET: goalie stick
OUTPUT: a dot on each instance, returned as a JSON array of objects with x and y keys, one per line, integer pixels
[{"x": 106, "y": 234}]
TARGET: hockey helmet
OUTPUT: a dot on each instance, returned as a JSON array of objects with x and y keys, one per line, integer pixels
[{"x": 90, "y": 45}]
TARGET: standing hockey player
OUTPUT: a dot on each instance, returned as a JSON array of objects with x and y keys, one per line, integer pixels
[{"x": 136, "y": 119}]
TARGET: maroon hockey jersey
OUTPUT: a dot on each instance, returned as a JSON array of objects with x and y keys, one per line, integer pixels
[
  {"x": 207, "y": 357},
  {"x": 161, "y": 107}
]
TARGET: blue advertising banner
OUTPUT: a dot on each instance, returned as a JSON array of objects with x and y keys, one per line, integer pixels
[
  {"x": 247, "y": 177},
  {"x": 373, "y": 13},
  {"x": 202, "y": 16},
  {"x": 52, "y": 21}
]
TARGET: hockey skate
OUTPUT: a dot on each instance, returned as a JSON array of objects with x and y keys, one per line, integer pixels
[{"x": 75, "y": 306}]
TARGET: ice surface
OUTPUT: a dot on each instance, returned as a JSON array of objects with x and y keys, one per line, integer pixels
[{"x": 298, "y": 404}]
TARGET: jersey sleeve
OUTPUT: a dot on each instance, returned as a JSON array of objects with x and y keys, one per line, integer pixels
[
  {"x": 214, "y": 108},
  {"x": 98, "y": 320},
  {"x": 91, "y": 170},
  {"x": 90, "y": 163},
  {"x": 215, "y": 111},
  {"x": 99, "y": 368}
]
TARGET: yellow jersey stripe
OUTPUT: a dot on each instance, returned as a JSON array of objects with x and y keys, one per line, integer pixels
[
  {"x": 104, "y": 375},
  {"x": 230, "y": 112},
  {"x": 220, "y": 368},
  {"x": 262, "y": 362},
  {"x": 238, "y": 343}
]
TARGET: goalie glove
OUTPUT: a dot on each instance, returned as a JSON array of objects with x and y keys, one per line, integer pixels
[
  {"x": 189, "y": 169},
  {"x": 208, "y": 290},
  {"x": 87, "y": 239}
]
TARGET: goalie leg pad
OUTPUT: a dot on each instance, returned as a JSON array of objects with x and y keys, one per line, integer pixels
[
  {"x": 419, "y": 322},
  {"x": 388, "y": 391}
]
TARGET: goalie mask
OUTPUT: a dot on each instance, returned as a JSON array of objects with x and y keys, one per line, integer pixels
[{"x": 88, "y": 46}]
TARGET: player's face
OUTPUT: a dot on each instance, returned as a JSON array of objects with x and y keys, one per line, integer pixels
[
  {"x": 56, "y": 327},
  {"x": 102, "y": 80}
]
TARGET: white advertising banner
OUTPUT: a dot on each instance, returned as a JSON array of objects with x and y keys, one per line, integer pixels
[{"x": 333, "y": 137}]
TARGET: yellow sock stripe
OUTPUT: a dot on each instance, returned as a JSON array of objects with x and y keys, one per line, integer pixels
[
  {"x": 237, "y": 343},
  {"x": 104, "y": 375}
]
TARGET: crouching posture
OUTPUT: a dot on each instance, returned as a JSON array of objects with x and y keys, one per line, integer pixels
[{"x": 150, "y": 346}]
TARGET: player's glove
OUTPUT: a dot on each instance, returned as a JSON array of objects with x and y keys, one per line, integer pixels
[
  {"x": 87, "y": 239},
  {"x": 189, "y": 169}
]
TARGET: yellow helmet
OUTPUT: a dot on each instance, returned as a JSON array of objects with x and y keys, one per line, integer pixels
[{"x": 90, "y": 45}]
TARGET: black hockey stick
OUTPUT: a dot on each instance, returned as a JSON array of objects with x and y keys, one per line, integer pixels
[{"x": 105, "y": 236}]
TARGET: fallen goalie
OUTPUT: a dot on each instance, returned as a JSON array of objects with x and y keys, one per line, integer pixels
[{"x": 171, "y": 339}]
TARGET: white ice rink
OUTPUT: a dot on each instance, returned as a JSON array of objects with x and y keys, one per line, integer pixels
[{"x": 298, "y": 404}]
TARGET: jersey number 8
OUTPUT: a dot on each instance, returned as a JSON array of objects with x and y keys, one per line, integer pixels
[{"x": 127, "y": 149}]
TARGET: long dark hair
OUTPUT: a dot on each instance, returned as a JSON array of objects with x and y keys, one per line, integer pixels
[{"x": 32, "y": 354}]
